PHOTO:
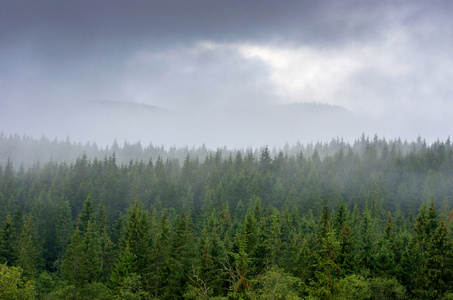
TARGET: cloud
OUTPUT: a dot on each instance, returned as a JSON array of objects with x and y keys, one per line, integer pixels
[
  {"x": 387, "y": 60},
  {"x": 188, "y": 77}
]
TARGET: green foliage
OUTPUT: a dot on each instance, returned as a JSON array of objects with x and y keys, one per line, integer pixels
[
  {"x": 136, "y": 236},
  {"x": 8, "y": 252},
  {"x": 324, "y": 285},
  {"x": 29, "y": 252},
  {"x": 243, "y": 224},
  {"x": 353, "y": 287},
  {"x": 44, "y": 284},
  {"x": 64, "y": 226},
  {"x": 130, "y": 288},
  {"x": 275, "y": 283},
  {"x": 82, "y": 263},
  {"x": 386, "y": 288},
  {"x": 438, "y": 268},
  {"x": 13, "y": 286}
]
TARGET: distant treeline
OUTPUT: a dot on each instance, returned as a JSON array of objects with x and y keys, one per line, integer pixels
[
  {"x": 371, "y": 220},
  {"x": 27, "y": 151}
]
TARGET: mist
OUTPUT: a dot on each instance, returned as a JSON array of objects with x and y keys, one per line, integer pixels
[{"x": 234, "y": 75}]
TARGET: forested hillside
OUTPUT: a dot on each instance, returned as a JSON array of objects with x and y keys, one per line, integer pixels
[{"x": 367, "y": 220}]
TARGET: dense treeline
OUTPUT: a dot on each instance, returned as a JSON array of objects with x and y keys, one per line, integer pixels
[
  {"x": 330, "y": 221},
  {"x": 27, "y": 151}
]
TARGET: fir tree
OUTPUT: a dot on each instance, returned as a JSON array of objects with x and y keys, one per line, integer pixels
[
  {"x": 324, "y": 283},
  {"x": 438, "y": 269},
  {"x": 29, "y": 251},
  {"x": 64, "y": 227},
  {"x": 8, "y": 252},
  {"x": 159, "y": 268},
  {"x": 137, "y": 236}
]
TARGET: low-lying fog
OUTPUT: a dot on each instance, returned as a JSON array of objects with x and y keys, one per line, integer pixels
[{"x": 103, "y": 122}]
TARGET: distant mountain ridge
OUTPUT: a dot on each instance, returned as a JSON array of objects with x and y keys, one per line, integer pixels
[
  {"x": 102, "y": 121},
  {"x": 110, "y": 104}
]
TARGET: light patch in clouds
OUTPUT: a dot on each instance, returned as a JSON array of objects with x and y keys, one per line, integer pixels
[
  {"x": 306, "y": 74},
  {"x": 392, "y": 74}
]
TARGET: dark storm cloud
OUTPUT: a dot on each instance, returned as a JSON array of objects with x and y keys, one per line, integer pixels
[{"x": 78, "y": 27}]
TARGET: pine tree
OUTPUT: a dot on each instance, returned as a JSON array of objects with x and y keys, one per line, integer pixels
[
  {"x": 107, "y": 254},
  {"x": 159, "y": 268},
  {"x": 29, "y": 252},
  {"x": 8, "y": 252},
  {"x": 206, "y": 276},
  {"x": 347, "y": 256},
  {"x": 415, "y": 257},
  {"x": 182, "y": 254},
  {"x": 385, "y": 256},
  {"x": 137, "y": 235},
  {"x": 64, "y": 227},
  {"x": 81, "y": 264},
  {"x": 366, "y": 243},
  {"x": 242, "y": 263},
  {"x": 438, "y": 269},
  {"x": 86, "y": 215},
  {"x": 340, "y": 218},
  {"x": 123, "y": 267},
  {"x": 324, "y": 283}
]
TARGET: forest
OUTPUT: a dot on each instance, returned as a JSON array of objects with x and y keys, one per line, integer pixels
[{"x": 370, "y": 219}]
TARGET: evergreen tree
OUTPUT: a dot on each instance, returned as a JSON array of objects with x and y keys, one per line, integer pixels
[
  {"x": 385, "y": 263},
  {"x": 86, "y": 215},
  {"x": 81, "y": 264},
  {"x": 242, "y": 264},
  {"x": 107, "y": 253},
  {"x": 367, "y": 242},
  {"x": 324, "y": 283},
  {"x": 340, "y": 218},
  {"x": 438, "y": 269},
  {"x": 347, "y": 256},
  {"x": 8, "y": 252},
  {"x": 123, "y": 268},
  {"x": 137, "y": 236},
  {"x": 182, "y": 254},
  {"x": 29, "y": 251},
  {"x": 159, "y": 269},
  {"x": 64, "y": 227}
]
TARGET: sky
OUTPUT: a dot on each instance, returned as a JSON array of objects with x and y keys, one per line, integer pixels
[{"x": 218, "y": 72}]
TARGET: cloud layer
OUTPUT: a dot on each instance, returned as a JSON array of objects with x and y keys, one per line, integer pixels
[{"x": 389, "y": 62}]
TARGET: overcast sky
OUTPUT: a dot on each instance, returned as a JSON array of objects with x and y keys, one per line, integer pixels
[{"x": 389, "y": 61}]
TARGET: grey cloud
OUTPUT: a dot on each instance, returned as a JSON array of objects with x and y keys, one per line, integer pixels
[
  {"x": 77, "y": 27},
  {"x": 186, "y": 78},
  {"x": 78, "y": 51}
]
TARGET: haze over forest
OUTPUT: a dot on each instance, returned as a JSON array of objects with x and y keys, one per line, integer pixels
[
  {"x": 226, "y": 149},
  {"x": 225, "y": 73}
]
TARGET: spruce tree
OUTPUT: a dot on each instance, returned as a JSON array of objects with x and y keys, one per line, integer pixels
[
  {"x": 81, "y": 264},
  {"x": 182, "y": 254},
  {"x": 8, "y": 252},
  {"x": 159, "y": 268},
  {"x": 324, "y": 283},
  {"x": 438, "y": 268},
  {"x": 29, "y": 251},
  {"x": 123, "y": 268},
  {"x": 347, "y": 256},
  {"x": 64, "y": 226},
  {"x": 137, "y": 236}
]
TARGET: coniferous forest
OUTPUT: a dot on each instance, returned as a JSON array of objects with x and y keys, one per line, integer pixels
[{"x": 365, "y": 220}]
